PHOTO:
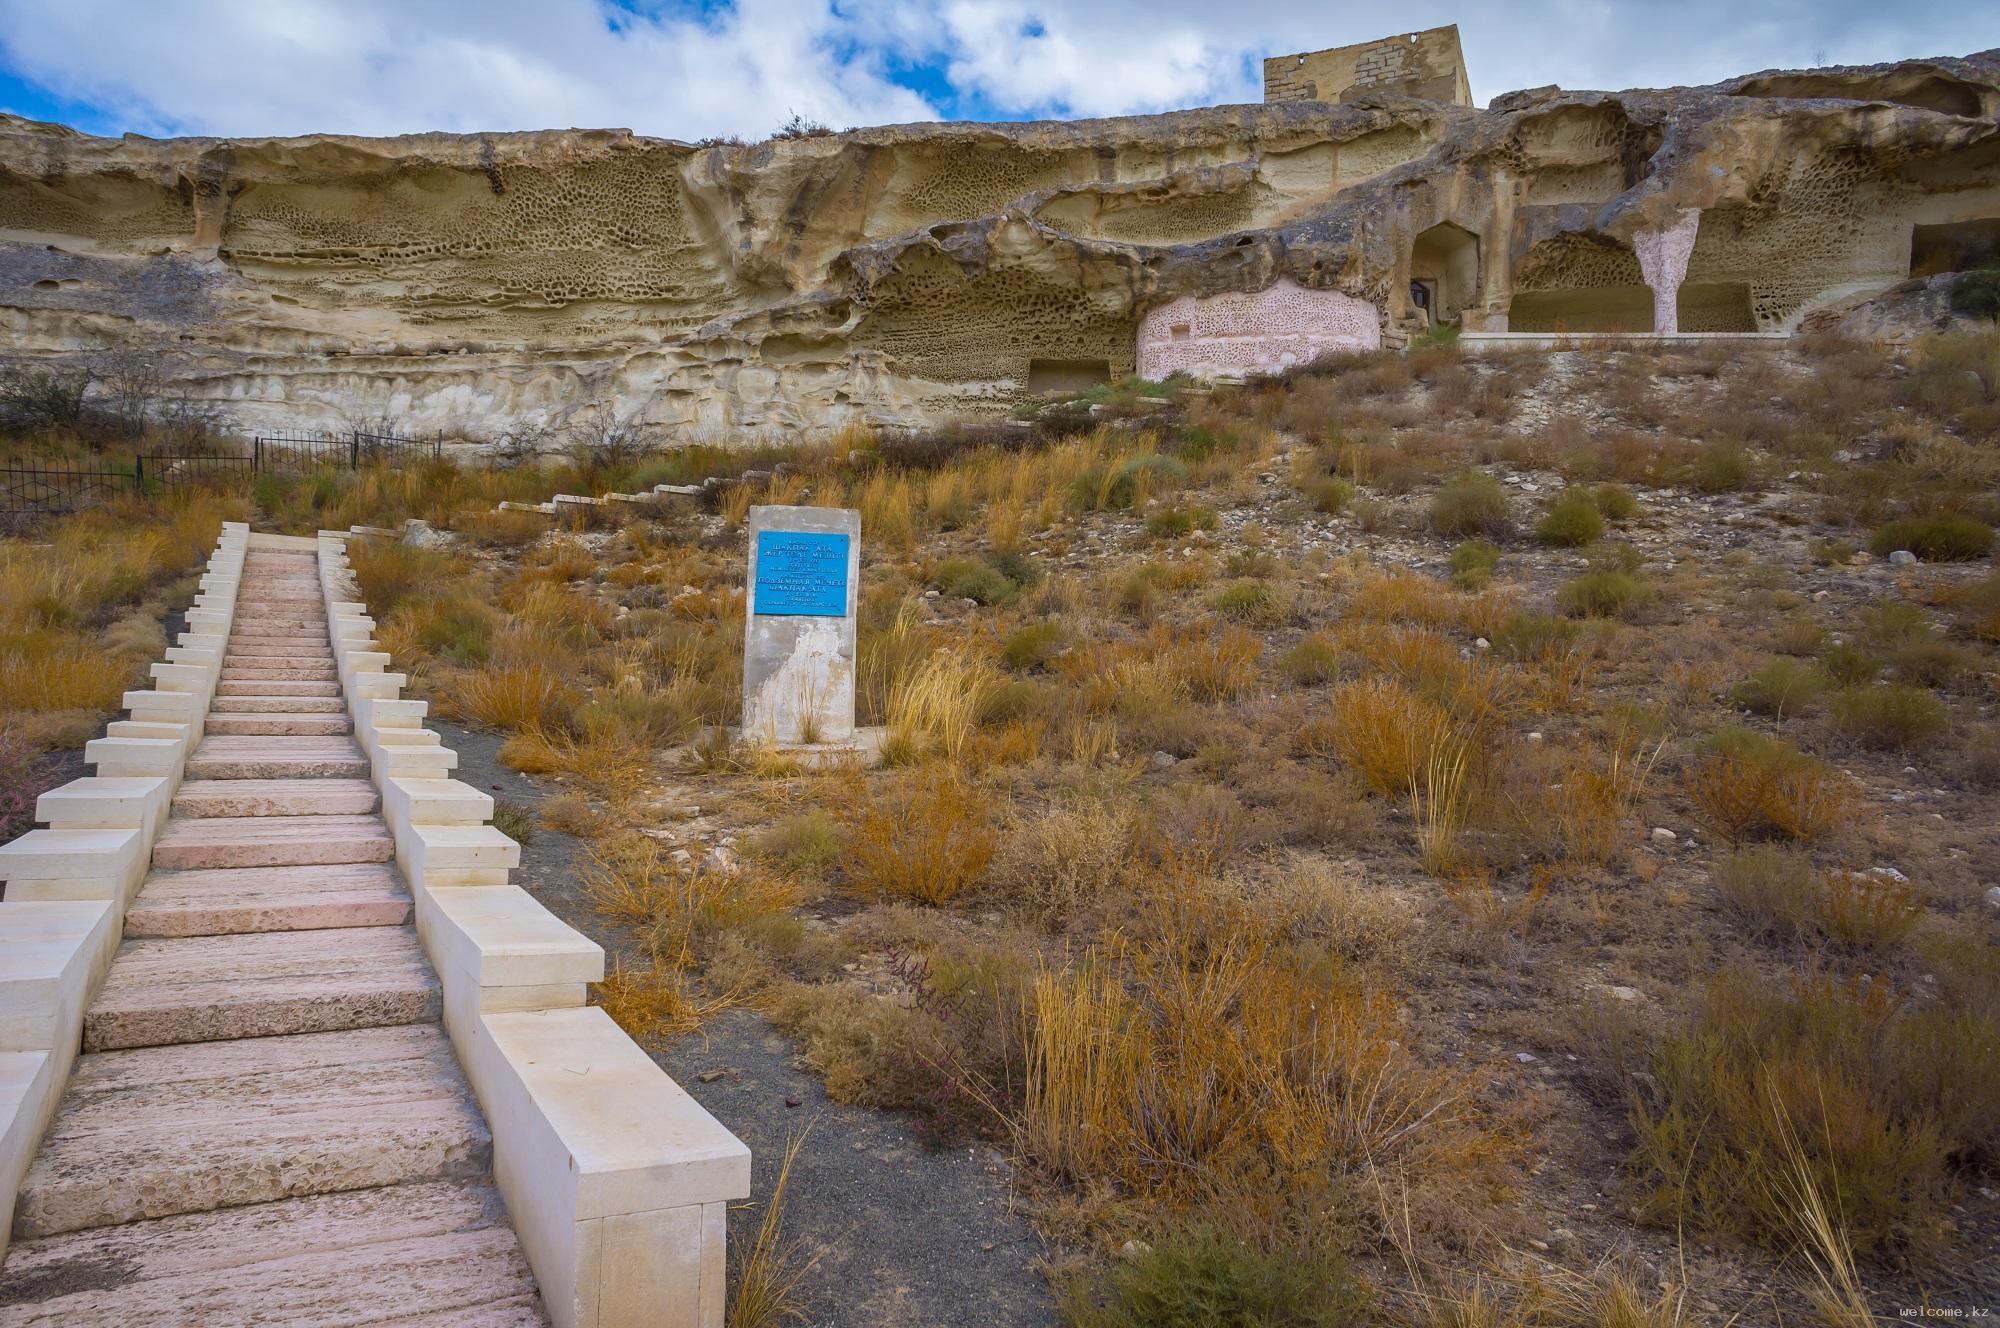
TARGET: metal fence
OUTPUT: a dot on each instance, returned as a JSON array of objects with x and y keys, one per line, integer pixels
[
  {"x": 57, "y": 487},
  {"x": 53, "y": 488},
  {"x": 304, "y": 450}
]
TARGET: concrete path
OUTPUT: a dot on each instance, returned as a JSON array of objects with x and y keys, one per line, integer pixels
[{"x": 267, "y": 1125}]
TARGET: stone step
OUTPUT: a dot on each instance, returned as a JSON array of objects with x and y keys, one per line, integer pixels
[
  {"x": 279, "y": 648},
  {"x": 161, "y": 1131},
  {"x": 162, "y": 991},
  {"x": 275, "y": 797},
  {"x": 279, "y": 723},
  {"x": 307, "y": 674},
  {"x": 226, "y": 900},
  {"x": 271, "y": 841},
  {"x": 235, "y": 659},
  {"x": 274, "y": 627},
  {"x": 226, "y": 756},
  {"x": 259, "y": 705},
  {"x": 239, "y": 687},
  {"x": 428, "y": 1254}
]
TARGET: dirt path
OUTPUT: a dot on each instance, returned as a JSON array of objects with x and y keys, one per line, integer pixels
[{"x": 905, "y": 1236}]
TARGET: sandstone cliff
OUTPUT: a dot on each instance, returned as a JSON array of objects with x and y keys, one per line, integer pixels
[{"x": 913, "y": 272}]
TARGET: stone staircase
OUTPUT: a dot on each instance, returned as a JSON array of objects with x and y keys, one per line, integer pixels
[{"x": 268, "y": 1124}]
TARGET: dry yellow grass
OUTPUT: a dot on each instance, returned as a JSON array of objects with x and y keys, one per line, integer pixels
[
  {"x": 524, "y": 696},
  {"x": 934, "y": 706},
  {"x": 927, "y": 839}
]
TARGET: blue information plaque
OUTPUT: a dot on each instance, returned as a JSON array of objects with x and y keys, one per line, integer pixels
[{"x": 801, "y": 573}]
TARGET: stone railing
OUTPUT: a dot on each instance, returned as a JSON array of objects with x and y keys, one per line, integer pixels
[
  {"x": 616, "y": 1180},
  {"x": 68, "y": 885}
]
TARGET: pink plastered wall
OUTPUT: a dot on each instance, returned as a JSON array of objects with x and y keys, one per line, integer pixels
[{"x": 1262, "y": 332}]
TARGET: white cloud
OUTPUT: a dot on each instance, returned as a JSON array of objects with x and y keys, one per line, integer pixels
[
  {"x": 245, "y": 67},
  {"x": 255, "y": 67}
]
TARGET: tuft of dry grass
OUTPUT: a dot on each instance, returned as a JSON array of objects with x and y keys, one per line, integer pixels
[
  {"x": 517, "y": 698},
  {"x": 771, "y": 1270}
]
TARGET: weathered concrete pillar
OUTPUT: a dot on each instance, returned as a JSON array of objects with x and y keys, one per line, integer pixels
[
  {"x": 798, "y": 640},
  {"x": 1663, "y": 261}
]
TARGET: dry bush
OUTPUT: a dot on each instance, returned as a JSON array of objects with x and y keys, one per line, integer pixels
[
  {"x": 1209, "y": 661},
  {"x": 1765, "y": 1082},
  {"x": 602, "y": 762},
  {"x": 1742, "y": 782},
  {"x": 525, "y": 696},
  {"x": 1781, "y": 687},
  {"x": 656, "y": 1002},
  {"x": 1381, "y": 730},
  {"x": 1777, "y": 890},
  {"x": 1895, "y": 716},
  {"x": 1577, "y": 802},
  {"x": 1058, "y": 863},
  {"x": 389, "y": 572},
  {"x": 926, "y": 837},
  {"x": 771, "y": 1270},
  {"x": 1209, "y": 1068}
]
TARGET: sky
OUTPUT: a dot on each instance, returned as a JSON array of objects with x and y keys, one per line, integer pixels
[{"x": 692, "y": 69}]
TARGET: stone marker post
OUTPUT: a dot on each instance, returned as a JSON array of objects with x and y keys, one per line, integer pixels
[{"x": 798, "y": 637}]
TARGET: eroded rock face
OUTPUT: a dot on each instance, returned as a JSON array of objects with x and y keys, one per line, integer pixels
[{"x": 910, "y": 273}]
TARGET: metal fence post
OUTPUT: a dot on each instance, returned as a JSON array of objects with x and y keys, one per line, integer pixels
[{"x": 354, "y": 459}]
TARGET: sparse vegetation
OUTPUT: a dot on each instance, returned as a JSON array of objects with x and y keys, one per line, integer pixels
[{"x": 1257, "y": 804}]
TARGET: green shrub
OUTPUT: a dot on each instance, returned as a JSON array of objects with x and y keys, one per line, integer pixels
[
  {"x": 1945, "y": 537},
  {"x": 1174, "y": 522},
  {"x": 1614, "y": 556},
  {"x": 1199, "y": 1278},
  {"x": 1615, "y": 502},
  {"x": 1247, "y": 598},
  {"x": 1526, "y": 636},
  {"x": 808, "y": 842},
  {"x": 1829, "y": 552},
  {"x": 969, "y": 578},
  {"x": 1868, "y": 1096},
  {"x": 1720, "y": 468},
  {"x": 1313, "y": 662},
  {"x": 1894, "y": 716},
  {"x": 1851, "y": 665},
  {"x": 1140, "y": 591},
  {"x": 1782, "y": 687},
  {"x": 1473, "y": 563},
  {"x": 1932, "y": 663},
  {"x": 1571, "y": 522},
  {"x": 1977, "y": 294},
  {"x": 1605, "y": 594},
  {"x": 1473, "y": 503},
  {"x": 1330, "y": 494},
  {"x": 1892, "y": 623},
  {"x": 1135, "y": 479},
  {"x": 1034, "y": 645}
]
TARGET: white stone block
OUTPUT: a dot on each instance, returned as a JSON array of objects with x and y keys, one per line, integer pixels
[
  {"x": 51, "y": 957},
  {"x": 97, "y": 803},
  {"x": 434, "y": 802},
  {"x": 30, "y": 1083}
]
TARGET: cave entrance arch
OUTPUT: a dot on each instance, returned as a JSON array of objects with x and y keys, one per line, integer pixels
[
  {"x": 1444, "y": 272},
  {"x": 1954, "y": 246}
]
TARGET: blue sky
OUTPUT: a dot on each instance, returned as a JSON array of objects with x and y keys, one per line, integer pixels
[{"x": 694, "y": 68}]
